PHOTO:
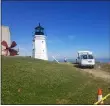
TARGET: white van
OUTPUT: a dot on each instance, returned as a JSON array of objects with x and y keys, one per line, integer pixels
[{"x": 86, "y": 58}]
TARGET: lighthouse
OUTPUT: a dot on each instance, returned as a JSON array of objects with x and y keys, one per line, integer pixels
[{"x": 39, "y": 44}]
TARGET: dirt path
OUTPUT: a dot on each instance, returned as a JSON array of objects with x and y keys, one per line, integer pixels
[{"x": 96, "y": 72}]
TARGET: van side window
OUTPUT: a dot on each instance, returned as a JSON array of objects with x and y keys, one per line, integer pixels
[
  {"x": 84, "y": 56},
  {"x": 78, "y": 57}
]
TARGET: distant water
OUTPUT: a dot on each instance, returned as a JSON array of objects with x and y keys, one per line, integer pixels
[
  {"x": 103, "y": 60},
  {"x": 97, "y": 60}
]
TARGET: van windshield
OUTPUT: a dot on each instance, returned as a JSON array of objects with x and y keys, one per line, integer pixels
[{"x": 87, "y": 57}]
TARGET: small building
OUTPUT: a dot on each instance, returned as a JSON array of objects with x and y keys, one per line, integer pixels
[{"x": 5, "y": 36}]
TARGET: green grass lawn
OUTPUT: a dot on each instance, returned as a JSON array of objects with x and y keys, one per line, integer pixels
[{"x": 30, "y": 81}]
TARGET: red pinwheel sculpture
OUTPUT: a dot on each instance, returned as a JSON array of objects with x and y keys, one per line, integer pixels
[{"x": 7, "y": 49}]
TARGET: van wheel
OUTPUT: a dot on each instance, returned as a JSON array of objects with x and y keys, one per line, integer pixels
[
  {"x": 92, "y": 66},
  {"x": 79, "y": 65}
]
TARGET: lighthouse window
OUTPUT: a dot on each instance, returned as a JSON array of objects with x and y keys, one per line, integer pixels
[
  {"x": 43, "y": 50},
  {"x": 42, "y": 41}
]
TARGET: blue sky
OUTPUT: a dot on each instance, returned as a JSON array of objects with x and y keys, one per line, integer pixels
[{"x": 70, "y": 26}]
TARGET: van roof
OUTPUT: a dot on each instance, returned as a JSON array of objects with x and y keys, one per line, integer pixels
[{"x": 89, "y": 52}]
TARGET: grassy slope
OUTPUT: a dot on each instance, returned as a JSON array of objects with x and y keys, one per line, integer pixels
[{"x": 30, "y": 81}]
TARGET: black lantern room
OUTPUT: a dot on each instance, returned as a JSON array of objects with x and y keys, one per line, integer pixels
[{"x": 39, "y": 30}]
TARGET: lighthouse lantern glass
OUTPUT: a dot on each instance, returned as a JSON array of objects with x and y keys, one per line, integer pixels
[{"x": 39, "y": 30}]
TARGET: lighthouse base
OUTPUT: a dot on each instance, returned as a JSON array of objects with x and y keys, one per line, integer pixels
[{"x": 42, "y": 57}]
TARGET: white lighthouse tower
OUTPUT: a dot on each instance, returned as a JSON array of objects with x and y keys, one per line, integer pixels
[{"x": 39, "y": 44}]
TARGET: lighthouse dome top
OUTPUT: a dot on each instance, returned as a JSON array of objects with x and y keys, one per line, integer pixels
[{"x": 39, "y": 30}]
